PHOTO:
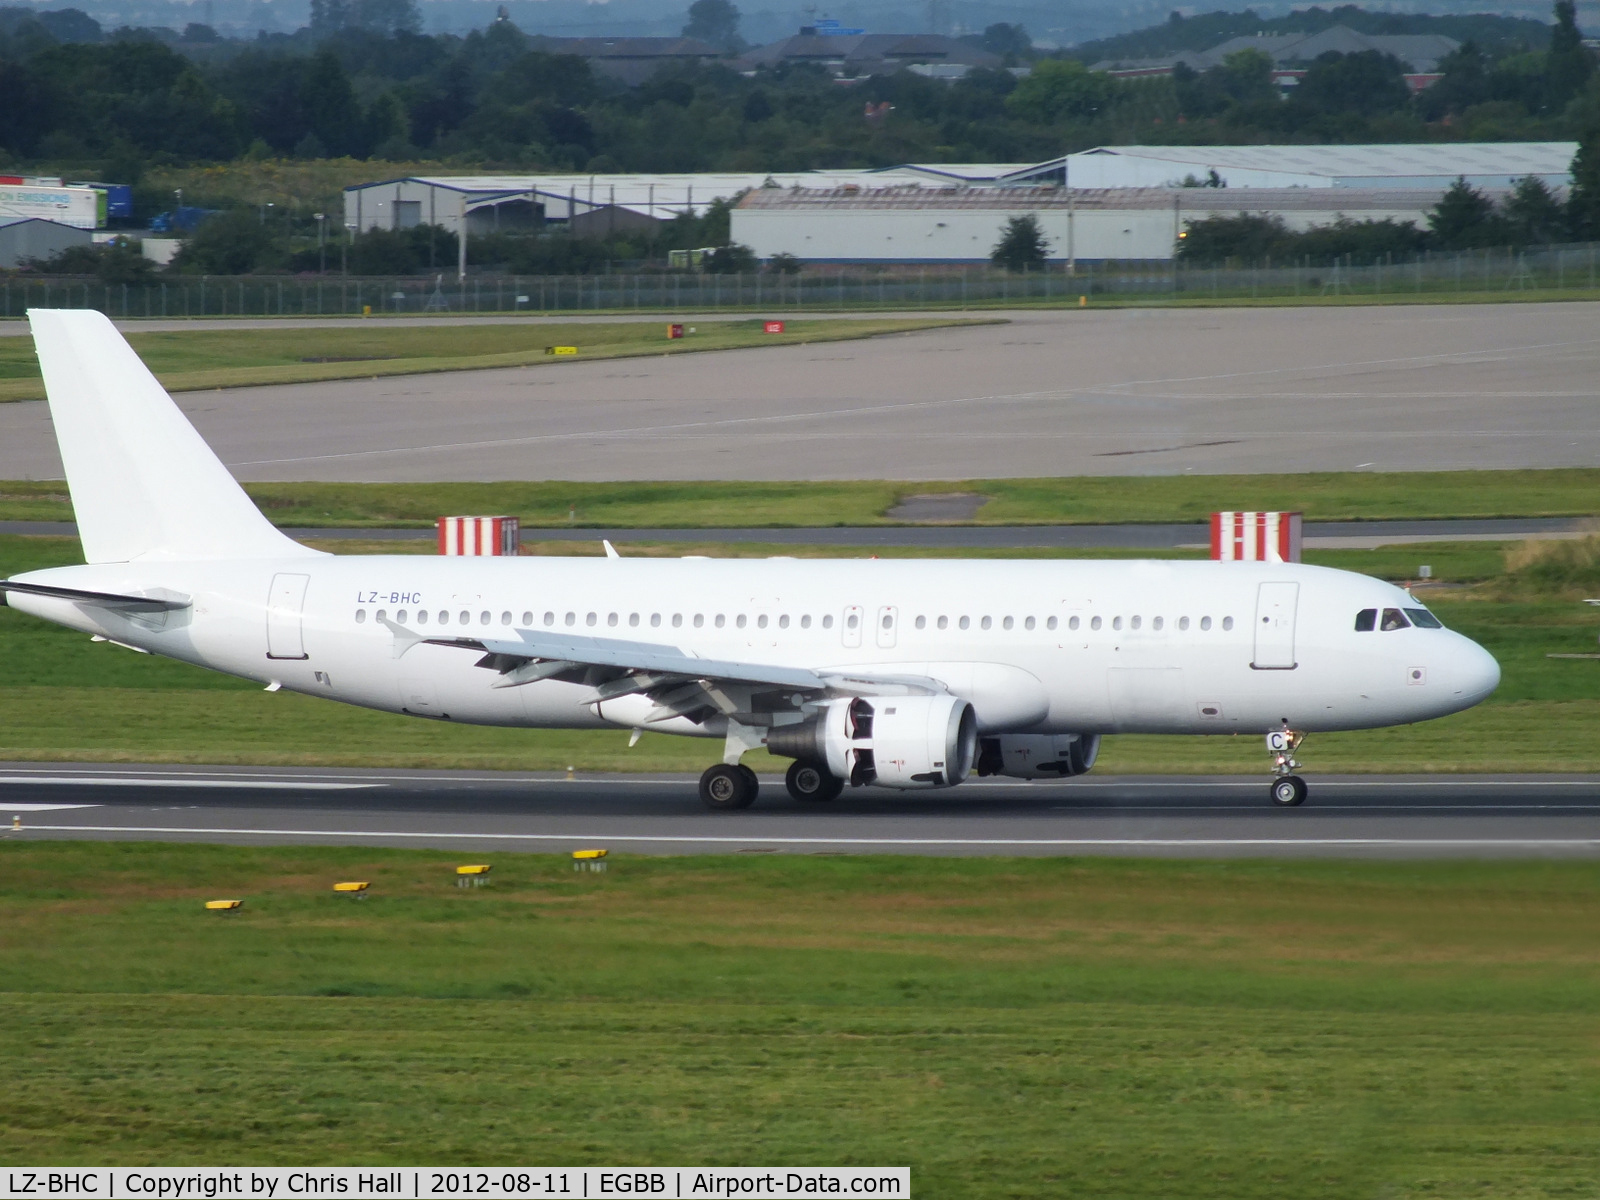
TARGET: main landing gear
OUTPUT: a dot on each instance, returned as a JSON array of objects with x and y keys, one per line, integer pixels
[
  {"x": 1288, "y": 789},
  {"x": 729, "y": 786},
  {"x": 809, "y": 782}
]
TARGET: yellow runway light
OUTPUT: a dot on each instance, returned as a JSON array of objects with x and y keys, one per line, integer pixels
[
  {"x": 355, "y": 888},
  {"x": 589, "y": 860},
  {"x": 473, "y": 876},
  {"x": 223, "y": 905},
  {"x": 563, "y": 351}
]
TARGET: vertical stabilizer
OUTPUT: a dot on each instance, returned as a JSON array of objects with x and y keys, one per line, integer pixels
[{"x": 144, "y": 484}]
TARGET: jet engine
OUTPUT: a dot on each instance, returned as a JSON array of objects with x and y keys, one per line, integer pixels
[
  {"x": 892, "y": 741},
  {"x": 1038, "y": 755}
]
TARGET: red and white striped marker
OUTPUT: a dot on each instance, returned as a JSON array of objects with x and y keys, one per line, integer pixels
[
  {"x": 1255, "y": 536},
  {"x": 480, "y": 536}
]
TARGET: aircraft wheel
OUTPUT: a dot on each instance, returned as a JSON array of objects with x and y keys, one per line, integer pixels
[
  {"x": 1289, "y": 791},
  {"x": 725, "y": 786},
  {"x": 809, "y": 782}
]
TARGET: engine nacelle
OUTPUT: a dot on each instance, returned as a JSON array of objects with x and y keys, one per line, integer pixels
[
  {"x": 892, "y": 741},
  {"x": 1038, "y": 756}
]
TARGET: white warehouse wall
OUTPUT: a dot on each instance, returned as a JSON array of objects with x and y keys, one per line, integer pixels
[{"x": 968, "y": 235}]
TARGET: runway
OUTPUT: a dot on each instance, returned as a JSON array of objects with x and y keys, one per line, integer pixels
[
  {"x": 1125, "y": 392},
  {"x": 480, "y": 813}
]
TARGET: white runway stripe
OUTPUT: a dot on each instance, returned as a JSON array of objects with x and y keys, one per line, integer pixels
[
  {"x": 22, "y": 808},
  {"x": 168, "y": 781},
  {"x": 1121, "y": 843}
]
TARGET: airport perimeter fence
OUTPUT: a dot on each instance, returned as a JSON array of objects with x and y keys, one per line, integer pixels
[{"x": 1552, "y": 268}]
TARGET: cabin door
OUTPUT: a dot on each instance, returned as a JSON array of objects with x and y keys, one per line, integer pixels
[
  {"x": 1275, "y": 606},
  {"x": 286, "y": 604}
]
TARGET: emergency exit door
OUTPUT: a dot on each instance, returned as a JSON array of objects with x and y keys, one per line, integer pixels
[
  {"x": 1275, "y": 605},
  {"x": 286, "y": 604}
]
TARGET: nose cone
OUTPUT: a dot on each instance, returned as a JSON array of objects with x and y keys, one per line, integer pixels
[{"x": 1476, "y": 672}]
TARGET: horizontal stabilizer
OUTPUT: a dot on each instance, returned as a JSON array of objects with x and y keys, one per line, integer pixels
[{"x": 111, "y": 600}]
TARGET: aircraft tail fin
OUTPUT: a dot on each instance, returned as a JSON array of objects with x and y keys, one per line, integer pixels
[{"x": 144, "y": 483}]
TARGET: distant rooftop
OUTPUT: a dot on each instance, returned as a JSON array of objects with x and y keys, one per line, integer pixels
[{"x": 1421, "y": 52}]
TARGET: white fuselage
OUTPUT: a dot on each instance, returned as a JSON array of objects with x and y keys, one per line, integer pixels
[{"x": 1036, "y": 646}]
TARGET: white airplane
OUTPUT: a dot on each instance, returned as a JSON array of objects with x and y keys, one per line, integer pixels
[{"x": 899, "y": 674}]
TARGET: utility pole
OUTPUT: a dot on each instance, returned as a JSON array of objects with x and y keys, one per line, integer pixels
[
  {"x": 461, "y": 242},
  {"x": 1066, "y": 179},
  {"x": 322, "y": 243}
]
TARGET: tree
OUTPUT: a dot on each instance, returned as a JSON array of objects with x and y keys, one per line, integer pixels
[
  {"x": 1022, "y": 245},
  {"x": 717, "y": 22},
  {"x": 731, "y": 260},
  {"x": 329, "y": 102},
  {"x": 1366, "y": 83},
  {"x": 1583, "y": 201},
  {"x": 115, "y": 262},
  {"x": 1061, "y": 87},
  {"x": 1569, "y": 65},
  {"x": 230, "y": 243},
  {"x": 1465, "y": 219},
  {"x": 1008, "y": 41},
  {"x": 1533, "y": 214}
]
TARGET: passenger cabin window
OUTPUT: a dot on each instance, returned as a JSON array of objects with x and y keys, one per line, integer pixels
[
  {"x": 1423, "y": 619},
  {"x": 1366, "y": 620},
  {"x": 1393, "y": 618}
]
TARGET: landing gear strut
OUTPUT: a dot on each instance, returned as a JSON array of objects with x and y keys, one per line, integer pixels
[
  {"x": 728, "y": 785},
  {"x": 809, "y": 781},
  {"x": 1288, "y": 789}
]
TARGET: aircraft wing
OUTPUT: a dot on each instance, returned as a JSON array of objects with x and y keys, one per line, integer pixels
[
  {"x": 111, "y": 600},
  {"x": 528, "y": 645},
  {"x": 527, "y": 656}
]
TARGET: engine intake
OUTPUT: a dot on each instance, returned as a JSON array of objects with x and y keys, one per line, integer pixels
[{"x": 892, "y": 741}]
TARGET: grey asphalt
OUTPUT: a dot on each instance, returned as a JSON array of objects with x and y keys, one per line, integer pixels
[
  {"x": 1124, "y": 392},
  {"x": 1478, "y": 816},
  {"x": 1324, "y": 534}
]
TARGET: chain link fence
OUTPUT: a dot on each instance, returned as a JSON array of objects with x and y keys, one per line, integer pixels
[{"x": 1551, "y": 268}]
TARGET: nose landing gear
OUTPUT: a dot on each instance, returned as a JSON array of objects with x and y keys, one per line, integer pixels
[{"x": 1288, "y": 789}]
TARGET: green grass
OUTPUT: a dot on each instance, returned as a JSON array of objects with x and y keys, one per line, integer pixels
[
  {"x": 1007, "y": 1028},
  {"x": 207, "y": 358},
  {"x": 65, "y": 698},
  {"x": 1322, "y": 496}
]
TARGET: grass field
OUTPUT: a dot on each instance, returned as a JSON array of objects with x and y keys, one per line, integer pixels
[
  {"x": 1323, "y": 496},
  {"x": 63, "y": 697},
  {"x": 1008, "y": 1028},
  {"x": 209, "y": 358}
]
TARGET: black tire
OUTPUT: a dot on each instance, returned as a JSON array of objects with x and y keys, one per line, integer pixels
[
  {"x": 1288, "y": 791},
  {"x": 810, "y": 782},
  {"x": 727, "y": 787}
]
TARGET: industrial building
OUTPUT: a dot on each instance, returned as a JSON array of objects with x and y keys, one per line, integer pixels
[
  {"x": 595, "y": 205},
  {"x": 912, "y": 224},
  {"x": 1406, "y": 165},
  {"x": 1108, "y": 202},
  {"x": 25, "y": 238}
]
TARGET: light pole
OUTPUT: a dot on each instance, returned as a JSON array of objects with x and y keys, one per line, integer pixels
[
  {"x": 261, "y": 217},
  {"x": 322, "y": 243}
]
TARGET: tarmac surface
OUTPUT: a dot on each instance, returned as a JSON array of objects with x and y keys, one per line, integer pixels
[
  {"x": 1474, "y": 816},
  {"x": 1113, "y": 392}
]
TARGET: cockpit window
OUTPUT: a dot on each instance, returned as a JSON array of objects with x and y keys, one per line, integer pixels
[
  {"x": 1393, "y": 618},
  {"x": 1366, "y": 620},
  {"x": 1423, "y": 619}
]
